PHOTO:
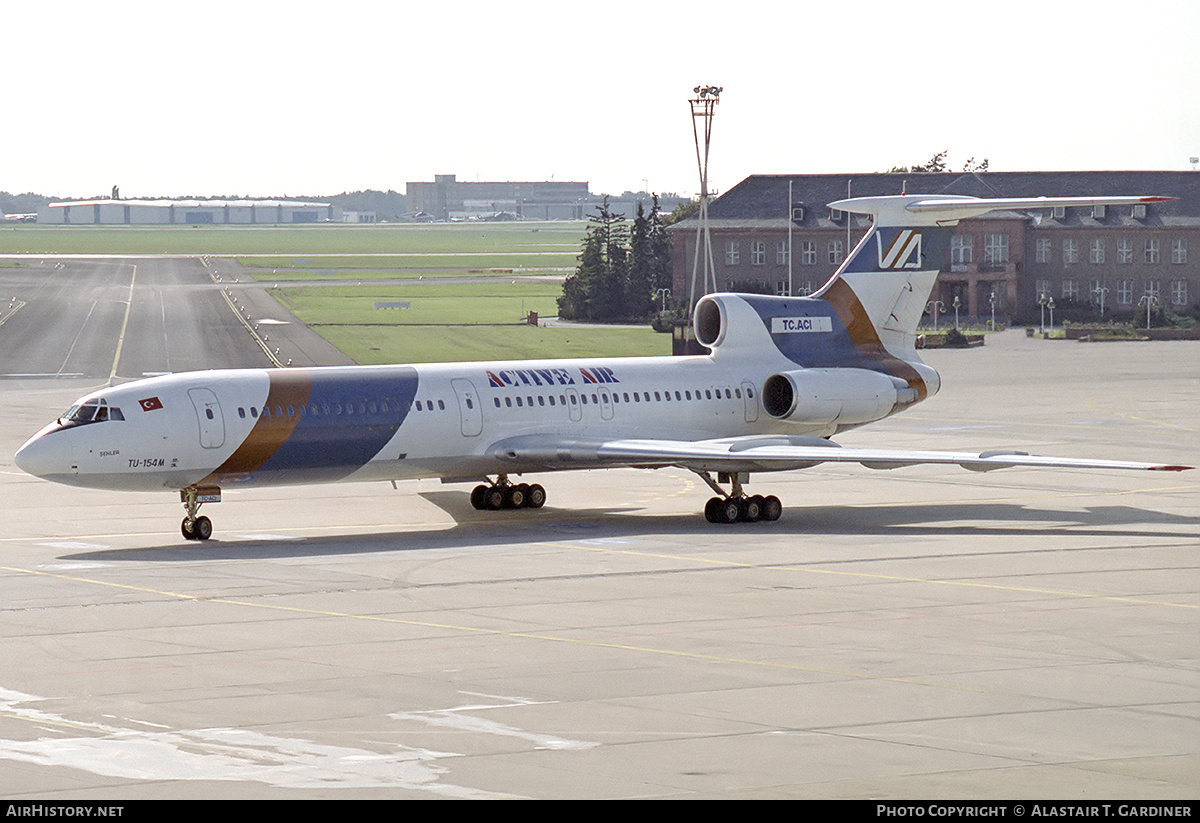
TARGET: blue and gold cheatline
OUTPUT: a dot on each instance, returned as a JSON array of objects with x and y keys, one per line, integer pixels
[{"x": 320, "y": 426}]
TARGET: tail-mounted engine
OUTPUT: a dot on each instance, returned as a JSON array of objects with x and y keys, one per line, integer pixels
[
  {"x": 844, "y": 396},
  {"x": 726, "y": 323}
]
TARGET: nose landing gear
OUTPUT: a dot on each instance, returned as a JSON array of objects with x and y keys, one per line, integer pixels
[{"x": 196, "y": 527}]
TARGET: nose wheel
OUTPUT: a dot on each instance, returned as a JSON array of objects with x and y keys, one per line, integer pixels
[{"x": 196, "y": 526}]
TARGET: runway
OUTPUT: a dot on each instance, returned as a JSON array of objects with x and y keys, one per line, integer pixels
[{"x": 924, "y": 632}]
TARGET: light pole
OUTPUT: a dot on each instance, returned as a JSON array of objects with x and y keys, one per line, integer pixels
[
  {"x": 1042, "y": 302},
  {"x": 1050, "y": 306},
  {"x": 992, "y": 301},
  {"x": 664, "y": 294},
  {"x": 1150, "y": 302},
  {"x": 703, "y": 107},
  {"x": 935, "y": 306},
  {"x": 957, "y": 303},
  {"x": 1100, "y": 291}
]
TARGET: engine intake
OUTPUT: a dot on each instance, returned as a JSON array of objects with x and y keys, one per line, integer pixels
[{"x": 710, "y": 322}]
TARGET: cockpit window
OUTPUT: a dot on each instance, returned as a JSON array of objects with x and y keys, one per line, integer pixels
[{"x": 95, "y": 410}]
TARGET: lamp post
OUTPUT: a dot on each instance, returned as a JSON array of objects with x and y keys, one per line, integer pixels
[
  {"x": 1050, "y": 306},
  {"x": 664, "y": 294},
  {"x": 935, "y": 306},
  {"x": 1150, "y": 302},
  {"x": 992, "y": 301},
  {"x": 1101, "y": 292},
  {"x": 957, "y": 303},
  {"x": 1042, "y": 302},
  {"x": 703, "y": 107}
]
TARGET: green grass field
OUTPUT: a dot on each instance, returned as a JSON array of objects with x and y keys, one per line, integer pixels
[
  {"x": 448, "y": 321},
  {"x": 465, "y": 307},
  {"x": 284, "y": 245},
  {"x": 434, "y": 303},
  {"x": 441, "y": 344}
]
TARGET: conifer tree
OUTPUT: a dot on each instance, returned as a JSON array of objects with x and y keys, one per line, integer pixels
[{"x": 619, "y": 270}]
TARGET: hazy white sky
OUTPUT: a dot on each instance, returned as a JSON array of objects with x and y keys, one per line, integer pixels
[{"x": 262, "y": 97}]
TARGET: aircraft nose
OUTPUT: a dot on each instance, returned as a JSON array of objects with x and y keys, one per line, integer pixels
[{"x": 44, "y": 455}]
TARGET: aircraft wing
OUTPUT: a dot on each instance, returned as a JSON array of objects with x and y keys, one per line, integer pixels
[{"x": 765, "y": 453}]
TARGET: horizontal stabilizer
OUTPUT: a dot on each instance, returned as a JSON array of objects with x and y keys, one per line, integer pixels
[{"x": 930, "y": 209}]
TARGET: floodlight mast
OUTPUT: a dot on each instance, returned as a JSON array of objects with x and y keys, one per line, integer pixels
[{"x": 703, "y": 106}]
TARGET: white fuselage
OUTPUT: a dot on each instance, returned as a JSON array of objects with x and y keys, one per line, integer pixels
[{"x": 268, "y": 427}]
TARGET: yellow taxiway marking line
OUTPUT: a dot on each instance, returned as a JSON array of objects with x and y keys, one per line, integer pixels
[{"x": 112, "y": 375}]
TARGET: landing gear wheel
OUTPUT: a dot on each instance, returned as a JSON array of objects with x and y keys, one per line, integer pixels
[
  {"x": 514, "y": 496},
  {"x": 710, "y": 509},
  {"x": 771, "y": 508},
  {"x": 537, "y": 497},
  {"x": 493, "y": 498},
  {"x": 751, "y": 508},
  {"x": 728, "y": 510},
  {"x": 479, "y": 497},
  {"x": 199, "y": 528},
  {"x": 203, "y": 528}
]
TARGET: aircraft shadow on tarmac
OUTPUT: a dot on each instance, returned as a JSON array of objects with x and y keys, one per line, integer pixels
[{"x": 549, "y": 525}]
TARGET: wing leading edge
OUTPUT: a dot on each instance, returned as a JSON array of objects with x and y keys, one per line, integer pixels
[{"x": 767, "y": 453}]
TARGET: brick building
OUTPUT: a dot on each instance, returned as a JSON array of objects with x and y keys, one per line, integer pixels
[{"x": 763, "y": 240}]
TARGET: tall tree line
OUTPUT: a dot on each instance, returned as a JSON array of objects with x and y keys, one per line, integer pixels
[{"x": 621, "y": 267}]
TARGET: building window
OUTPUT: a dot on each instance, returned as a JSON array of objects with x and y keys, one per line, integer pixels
[
  {"x": 808, "y": 253},
  {"x": 1179, "y": 251},
  {"x": 995, "y": 249},
  {"x": 836, "y": 252},
  {"x": 732, "y": 253},
  {"x": 1125, "y": 251},
  {"x": 1043, "y": 250},
  {"x": 960, "y": 251},
  {"x": 1125, "y": 292},
  {"x": 1043, "y": 288},
  {"x": 806, "y": 288},
  {"x": 1153, "y": 289},
  {"x": 1070, "y": 289},
  {"x": 783, "y": 254},
  {"x": 1179, "y": 292},
  {"x": 1070, "y": 252},
  {"x": 1151, "y": 254},
  {"x": 1097, "y": 251},
  {"x": 781, "y": 289},
  {"x": 758, "y": 253}
]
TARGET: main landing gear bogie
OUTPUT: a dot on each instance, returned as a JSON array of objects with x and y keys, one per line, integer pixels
[
  {"x": 735, "y": 506},
  {"x": 505, "y": 495},
  {"x": 742, "y": 509}
]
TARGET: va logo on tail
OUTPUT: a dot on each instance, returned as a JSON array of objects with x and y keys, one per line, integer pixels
[{"x": 904, "y": 252}]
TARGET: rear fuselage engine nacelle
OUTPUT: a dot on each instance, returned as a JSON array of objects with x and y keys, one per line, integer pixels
[{"x": 843, "y": 396}]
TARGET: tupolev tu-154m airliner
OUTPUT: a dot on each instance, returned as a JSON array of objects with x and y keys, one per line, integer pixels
[{"x": 784, "y": 375}]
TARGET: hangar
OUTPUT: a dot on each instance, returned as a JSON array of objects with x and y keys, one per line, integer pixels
[{"x": 185, "y": 212}]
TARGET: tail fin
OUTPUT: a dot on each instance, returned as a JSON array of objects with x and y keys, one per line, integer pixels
[{"x": 882, "y": 288}]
